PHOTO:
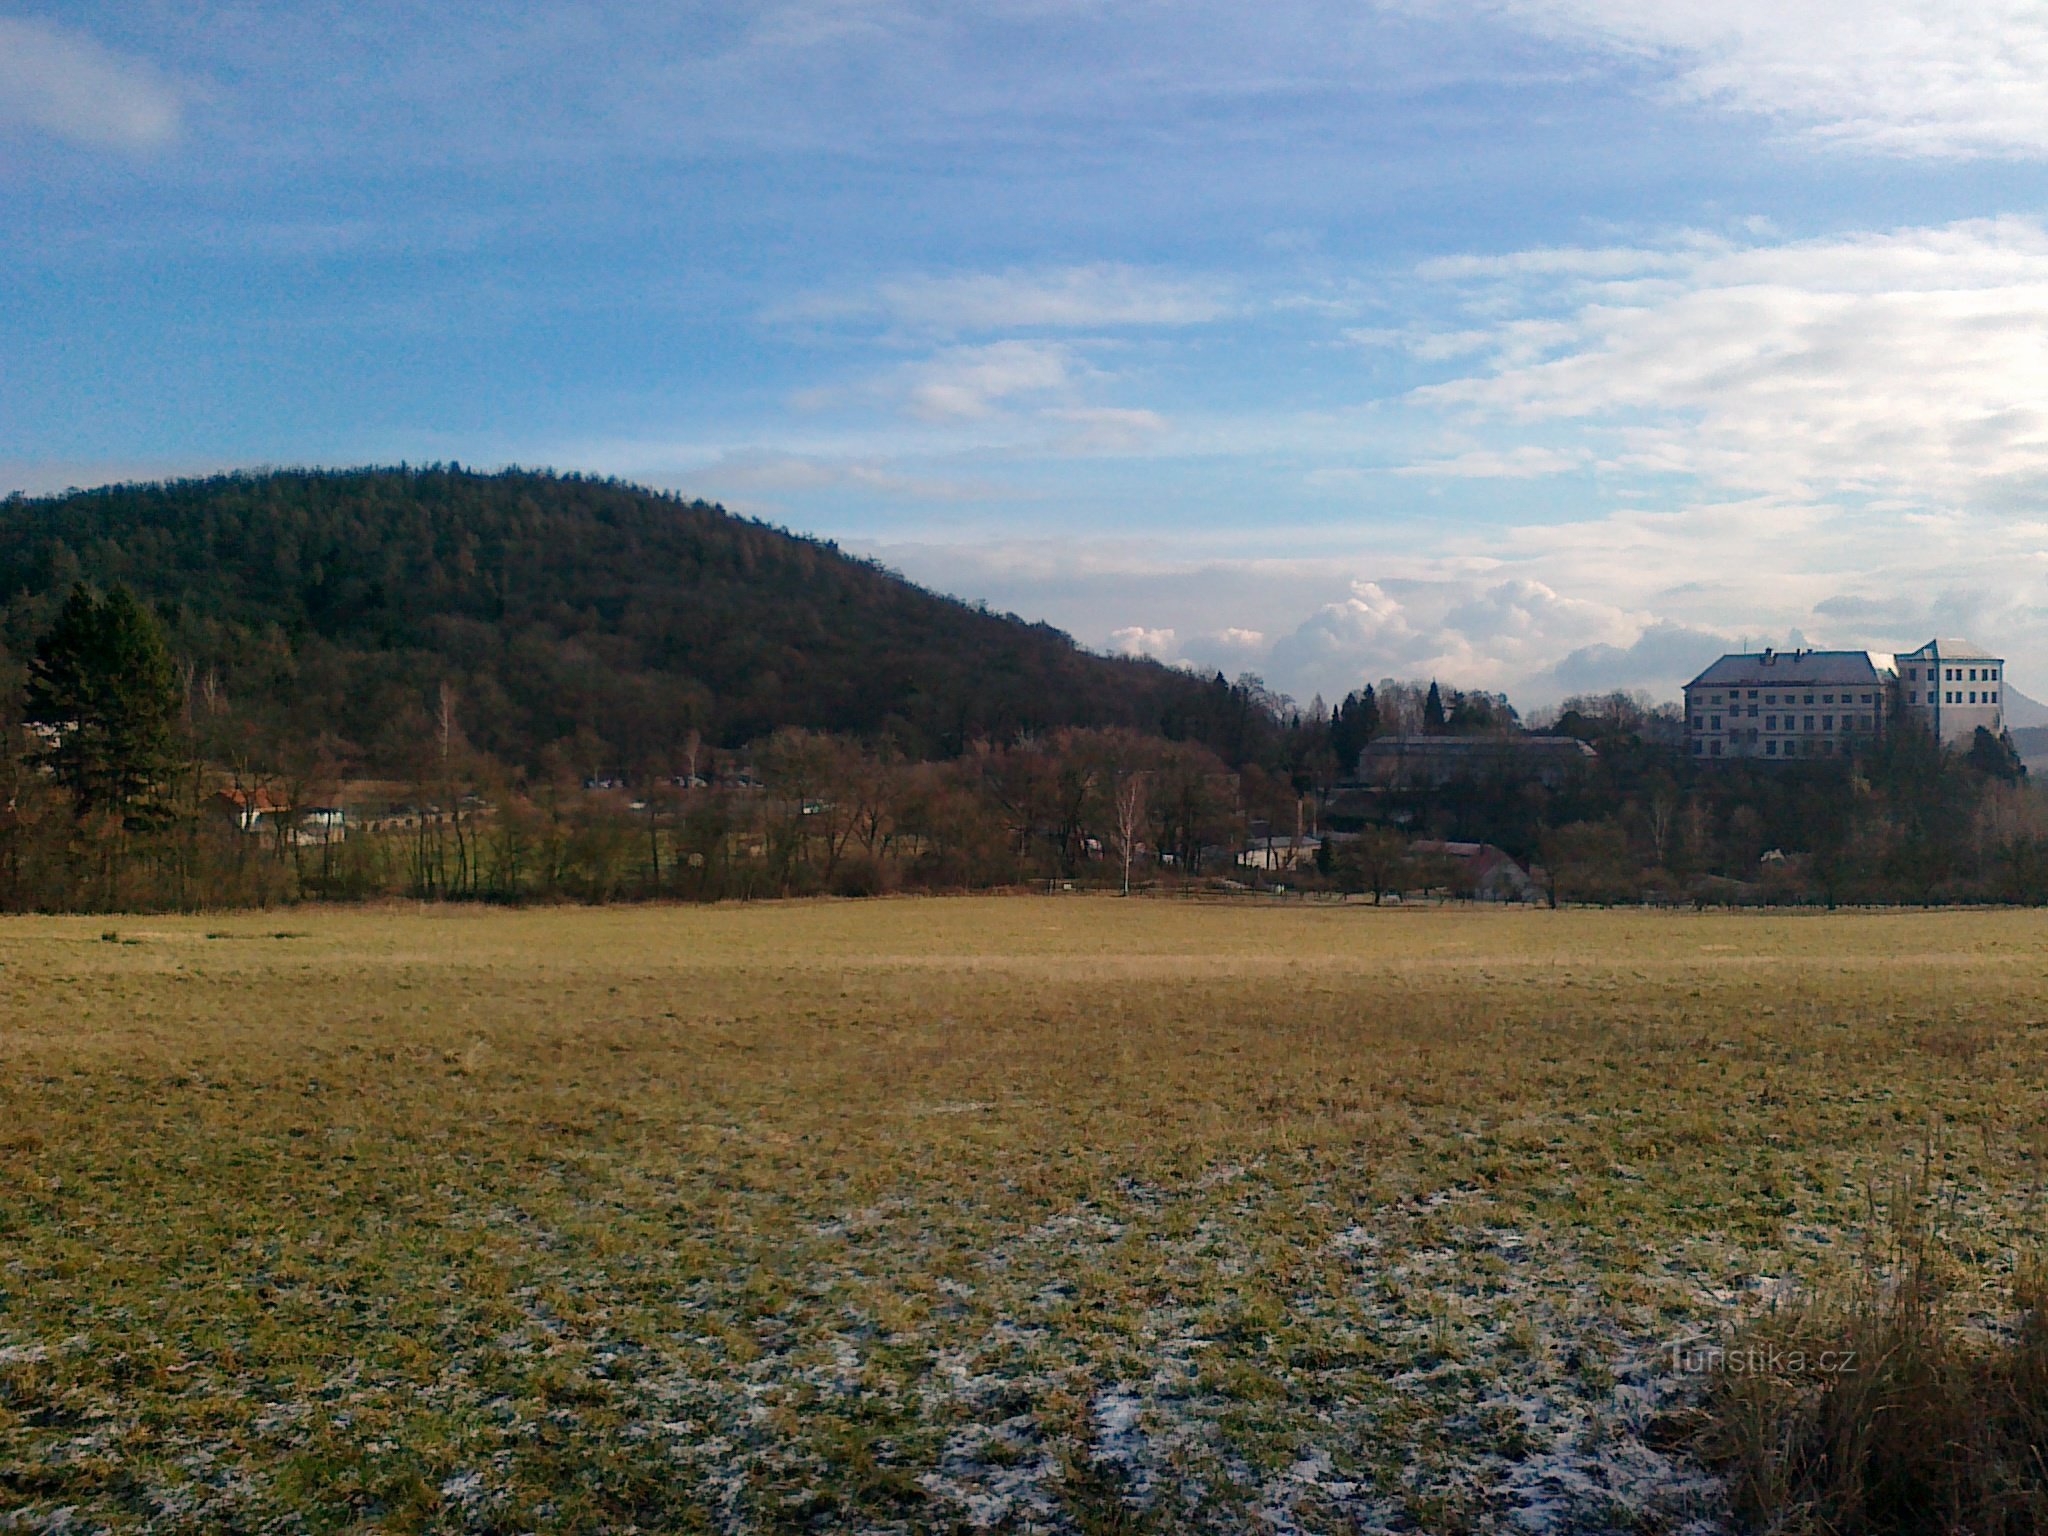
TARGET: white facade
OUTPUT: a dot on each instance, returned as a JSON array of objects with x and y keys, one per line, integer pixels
[
  {"x": 1779, "y": 705},
  {"x": 1785, "y": 705},
  {"x": 1953, "y": 687}
]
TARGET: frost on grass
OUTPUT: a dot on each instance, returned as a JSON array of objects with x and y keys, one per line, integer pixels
[{"x": 756, "y": 1220}]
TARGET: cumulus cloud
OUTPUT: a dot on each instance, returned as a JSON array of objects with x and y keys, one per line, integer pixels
[
  {"x": 1137, "y": 640},
  {"x": 1336, "y": 646},
  {"x": 1903, "y": 364},
  {"x": 62, "y": 83},
  {"x": 1660, "y": 660},
  {"x": 1912, "y": 77}
]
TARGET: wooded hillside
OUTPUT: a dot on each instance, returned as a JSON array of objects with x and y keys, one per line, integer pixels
[{"x": 559, "y": 609}]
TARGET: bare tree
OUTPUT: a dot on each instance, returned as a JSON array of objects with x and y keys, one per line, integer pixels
[{"x": 1130, "y": 820}]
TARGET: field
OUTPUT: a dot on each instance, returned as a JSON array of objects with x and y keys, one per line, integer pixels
[{"x": 1063, "y": 1214}]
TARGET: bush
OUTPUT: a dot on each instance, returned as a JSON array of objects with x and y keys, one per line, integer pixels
[{"x": 860, "y": 876}]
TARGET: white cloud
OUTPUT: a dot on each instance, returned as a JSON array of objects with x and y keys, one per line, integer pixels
[
  {"x": 966, "y": 383},
  {"x": 1109, "y": 429},
  {"x": 1527, "y": 462},
  {"x": 957, "y": 384},
  {"x": 1137, "y": 640},
  {"x": 1905, "y": 364},
  {"x": 773, "y": 473},
  {"x": 1604, "y": 262},
  {"x": 1944, "y": 78},
  {"x": 1097, "y": 296},
  {"x": 64, "y": 84}
]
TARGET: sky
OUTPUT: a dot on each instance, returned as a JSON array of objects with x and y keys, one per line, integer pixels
[{"x": 1534, "y": 345}]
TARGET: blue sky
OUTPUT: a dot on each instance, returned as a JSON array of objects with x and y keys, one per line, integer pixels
[{"x": 1536, "y": 344}]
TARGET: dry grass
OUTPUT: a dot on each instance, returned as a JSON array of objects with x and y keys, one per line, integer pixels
[
  {"x": 1069, "y": 1214},
  {"x": 1882, "y": 1405}
]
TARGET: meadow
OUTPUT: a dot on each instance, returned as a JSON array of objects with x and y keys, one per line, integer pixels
[{"x": 1026, "y": 1213}]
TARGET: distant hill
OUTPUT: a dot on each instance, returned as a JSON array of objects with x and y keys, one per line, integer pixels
[
  {"x": 559, "y": 609},
  {"x": 2023, "y": 713}
]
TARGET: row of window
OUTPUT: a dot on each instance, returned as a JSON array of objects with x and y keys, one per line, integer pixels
[
  {"x": 1735, "y": 695},
  {"x": 1955, "y": 674},
  {"x": 1815, "y": 748},
  {"x": 1793, "y": 722},
  {"x": 1956, "y": 696}
]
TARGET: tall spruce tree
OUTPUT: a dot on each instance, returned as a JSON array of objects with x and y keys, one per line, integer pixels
[
  {"x": 1433, "y": 708},
  {"x": 104, "y": 694}
]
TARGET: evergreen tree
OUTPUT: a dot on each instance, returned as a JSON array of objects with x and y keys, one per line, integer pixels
[
  {"x": 1433, "y": 709},
  {"x": 103, "y": 695},
  {"x": 1352, "y": 724}
]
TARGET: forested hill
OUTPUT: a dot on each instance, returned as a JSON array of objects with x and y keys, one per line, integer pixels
[{"x": 558, "y": 610}]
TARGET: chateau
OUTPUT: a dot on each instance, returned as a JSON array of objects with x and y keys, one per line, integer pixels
[{"x": 1792, "y": 704}]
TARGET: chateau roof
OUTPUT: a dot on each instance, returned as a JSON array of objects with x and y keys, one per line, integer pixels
[
  {"x": 1420, "y": 744},
  {"x": 1954, "y": 650},
  {"x": 1790, "y": 669}
]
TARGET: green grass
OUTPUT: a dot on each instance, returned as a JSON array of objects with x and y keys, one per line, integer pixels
[{"x": 1065, "y": 1214}]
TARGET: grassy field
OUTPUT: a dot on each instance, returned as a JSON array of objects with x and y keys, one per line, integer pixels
[{"x": 1027, "y": 1213}]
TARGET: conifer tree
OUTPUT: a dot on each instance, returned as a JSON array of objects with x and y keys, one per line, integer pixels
[
  {"x": 103, "y": 695},
  {"x": 1433, "y": 709}
]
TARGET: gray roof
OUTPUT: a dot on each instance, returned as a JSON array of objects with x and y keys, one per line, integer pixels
[
  {"x": 1420, "y": 745},
  {"x": 1954, "y": 650},
  {"x": 1790, "y": 669}
]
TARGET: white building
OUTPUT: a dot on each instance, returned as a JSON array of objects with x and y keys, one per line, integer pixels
[
  {"x": 1785, "y": 704},
  {"x": 1953, "y": 687},
  {"x": 1776, "y": 705}
]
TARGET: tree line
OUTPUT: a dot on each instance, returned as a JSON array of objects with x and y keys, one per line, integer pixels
[{"x": 143, "y": 773}]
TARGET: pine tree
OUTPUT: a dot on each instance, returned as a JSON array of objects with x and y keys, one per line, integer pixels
[
  {"x": 1433, "y": 709},
  {"x": 103, "y": 695}
]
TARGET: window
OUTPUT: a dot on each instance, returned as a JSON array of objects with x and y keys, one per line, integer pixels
[
  {"x": 1809, "y": 722},
  {"x": 1912, "y": 674},
  {"x": 1809, "y": 698},
  {"x": 1695, "y": 722},
  {"x": 1717, "y": 749},
  {"x": 1715, "y": 699},
  {"x": 1994, "y": 696},
  {"x": 1717, "y": 722},
  {"x": 1770, "y": 749},
  {"x": 1770, "y": 722},
  {"x": 1752, "y": 709},
  {"x": 1912, "y": 698},
  {"x": 1752, "y": 693},
  {"x": 1827, "y": 749},
  {"x": 1827, "y": 698},
  {"x": 1827, "y": 722},
  {"x": 1698, "y": 747}
]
